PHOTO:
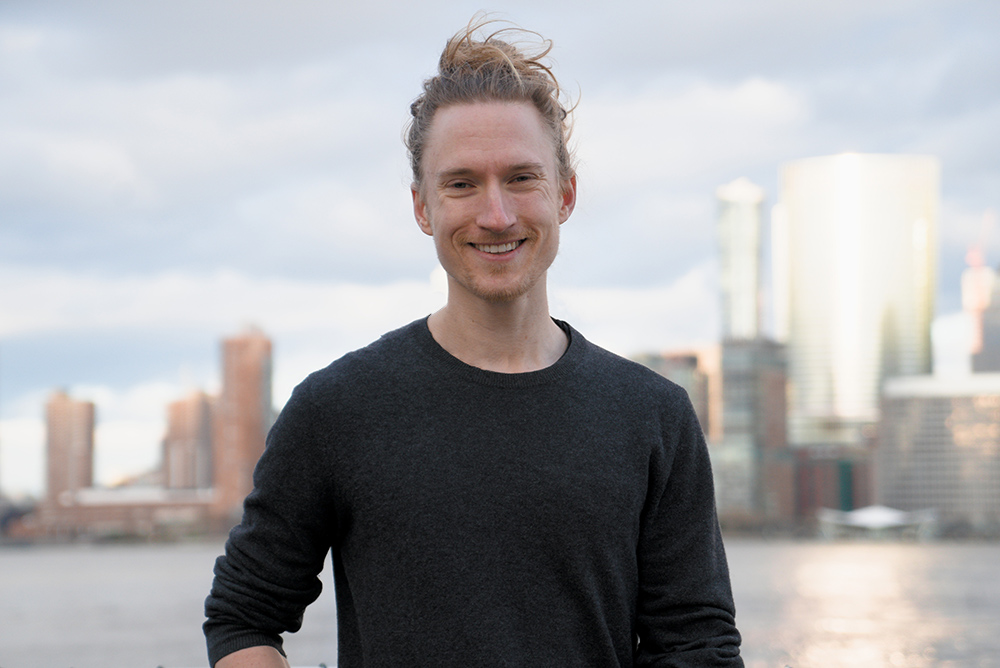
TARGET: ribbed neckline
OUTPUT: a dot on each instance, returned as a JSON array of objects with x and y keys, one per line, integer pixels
[{"x": 570, "y": 359}]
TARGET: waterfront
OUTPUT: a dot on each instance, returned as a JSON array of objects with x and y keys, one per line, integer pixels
[{"x": 800, "y": 604}]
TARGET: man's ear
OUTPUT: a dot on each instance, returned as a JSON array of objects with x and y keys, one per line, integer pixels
[
  {"x": 420, "y": 211},
  {"x": 568, "y": 194}
]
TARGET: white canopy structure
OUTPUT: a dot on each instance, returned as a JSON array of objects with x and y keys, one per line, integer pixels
[{"x": 876, "y": 522}]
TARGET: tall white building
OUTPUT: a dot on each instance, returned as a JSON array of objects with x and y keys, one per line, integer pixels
[
  {"x": 751, "y": 484},
  {"x": 855, "y": 262},
  {"x": 739, "y": 238}
]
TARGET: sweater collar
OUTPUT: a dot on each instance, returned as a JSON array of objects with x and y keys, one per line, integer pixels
[{"x": 571, "y": 357}]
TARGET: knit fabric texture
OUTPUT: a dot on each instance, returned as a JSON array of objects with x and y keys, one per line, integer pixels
[{"x": 562, "y": 517}]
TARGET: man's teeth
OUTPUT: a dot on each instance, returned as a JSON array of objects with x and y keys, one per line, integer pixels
[{"x": 498, "y": 248}]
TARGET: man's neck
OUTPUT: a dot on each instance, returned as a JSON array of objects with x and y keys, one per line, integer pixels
[{"x": 509, "y": 337}]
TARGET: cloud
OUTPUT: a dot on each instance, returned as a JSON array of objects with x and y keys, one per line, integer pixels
[
  {"x": 61, "y": 328},
  {"x": 669, "y": 135},
  {"x": 961, "y": 229},
  {"x": 207, "y": 169},
  {"x": 16, "y": 40},
  {"x": 167, "y": 176},
  {"x": 42, "y": 301},
  {"x": 188, "y": 135},
  {"x": 22, "y": 456},
  {"x": 75, "y": 171},
  {"x": 674, "y": 315},
  {"x": 650, "y": 161}
]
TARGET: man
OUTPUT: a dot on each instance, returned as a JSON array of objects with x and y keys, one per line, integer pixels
[{"x": 495, "y": 490}]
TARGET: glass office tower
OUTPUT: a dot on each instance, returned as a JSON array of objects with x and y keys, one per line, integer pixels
[{"x": 855, "y": 254}]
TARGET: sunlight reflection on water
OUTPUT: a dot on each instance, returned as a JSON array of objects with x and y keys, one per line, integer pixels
[
  {"x": 799, "y": 604},
  {"x": 867, "y": 604}
]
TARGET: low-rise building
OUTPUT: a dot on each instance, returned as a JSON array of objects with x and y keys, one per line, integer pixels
[{"x": 939, "y": 448}]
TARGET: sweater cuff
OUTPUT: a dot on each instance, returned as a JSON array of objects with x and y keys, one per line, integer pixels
[{"x": 222, "y": 643}]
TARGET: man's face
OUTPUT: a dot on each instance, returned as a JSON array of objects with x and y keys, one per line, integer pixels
[{"x": 492, "y": 199}]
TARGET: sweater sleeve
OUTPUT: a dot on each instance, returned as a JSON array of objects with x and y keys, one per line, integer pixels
[
  {"x": 269, "y": 572},
  {"x": 685, "y": 611}
]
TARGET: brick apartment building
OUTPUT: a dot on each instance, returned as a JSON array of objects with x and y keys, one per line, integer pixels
[{"x": 209, "y": 450}]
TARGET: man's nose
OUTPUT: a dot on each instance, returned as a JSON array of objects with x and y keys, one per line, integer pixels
[{"x": 497, "y": 214}]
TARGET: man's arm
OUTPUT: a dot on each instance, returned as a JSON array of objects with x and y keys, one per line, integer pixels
[
  {"x": 254, "y": 657},
  {"x": 270, "y": 571},
  {"x": 686, "y": 616}
]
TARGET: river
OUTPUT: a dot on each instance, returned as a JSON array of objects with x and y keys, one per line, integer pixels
[{"x": 800, "y": 604}]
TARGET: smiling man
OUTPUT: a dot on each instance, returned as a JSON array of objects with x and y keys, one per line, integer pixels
[
  {"x": 493, "y": 488},
  {"x": 491, "y": 195}
]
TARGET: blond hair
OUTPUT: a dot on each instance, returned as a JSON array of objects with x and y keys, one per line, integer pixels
[{"x": 491, "y": 69}]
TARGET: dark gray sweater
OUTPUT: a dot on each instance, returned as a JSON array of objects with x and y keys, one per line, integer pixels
[{"x": 563, "y": 517}]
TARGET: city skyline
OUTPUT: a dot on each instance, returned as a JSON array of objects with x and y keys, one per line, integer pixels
[
  {"x": 740, "y": 200},
  {"x": 209, "y": 450},
  {"x": 158, "y": 193},
  {"x": 211, "y": 444}
]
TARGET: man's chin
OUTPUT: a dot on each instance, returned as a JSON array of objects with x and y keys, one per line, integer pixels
[{"x": 499, "y": 293}]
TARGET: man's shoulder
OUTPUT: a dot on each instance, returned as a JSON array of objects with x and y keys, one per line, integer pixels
[
  {"x": 393, "y": 352},
  {"x": 614, "y": 370}
]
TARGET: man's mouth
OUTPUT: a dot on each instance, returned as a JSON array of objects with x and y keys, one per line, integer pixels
[{"x": 497, "y": 249}]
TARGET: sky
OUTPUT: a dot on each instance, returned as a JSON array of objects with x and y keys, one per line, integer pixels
[{"x": 173, "y": 172}]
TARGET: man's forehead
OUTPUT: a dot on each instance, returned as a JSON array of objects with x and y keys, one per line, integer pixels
[{"x": 488, "y": 125}]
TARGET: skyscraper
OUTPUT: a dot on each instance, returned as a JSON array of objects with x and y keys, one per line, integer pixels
[
  {"x": 69, "y": 446},
  {"x": 856, "y": 253},
  {"x": 187, "y": 445},
  {"x": 752, "y": 470},
  {"x": 243, "y": 416},
  {"x": 752, "y": 466},
  {"x": 739, "y": 238}
]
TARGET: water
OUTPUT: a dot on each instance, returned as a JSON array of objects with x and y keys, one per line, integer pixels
[
  {"x": 867, "y": 604},
  {"x": 800, "y": 604},
  {"x": 135, "y": 606}
]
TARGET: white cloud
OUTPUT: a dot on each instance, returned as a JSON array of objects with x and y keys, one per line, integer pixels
[
  {"x": 19, "y": 39},
  {"x": 184, "y": 135},
  {"x": 22, "y": 456},
  {"x": 86, "y": 171},
  {"x": 45, "y": 301},
  {"x": 669, "y": 131},
  {"x": 325, "y": 214},
  {"x": 963, "y": 229},
  {"x": 24, "y": 48},
  {"x": 676, "y": 315},
  {"x": 144, "y": 402},
  {"x": 123, "y": 448}
]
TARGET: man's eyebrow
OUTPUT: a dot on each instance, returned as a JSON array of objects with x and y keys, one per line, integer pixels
[
  {"x": 531, "y": 166},
  {"x": 445, "y": 174},
  {"x": 458, "y": 172}
]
